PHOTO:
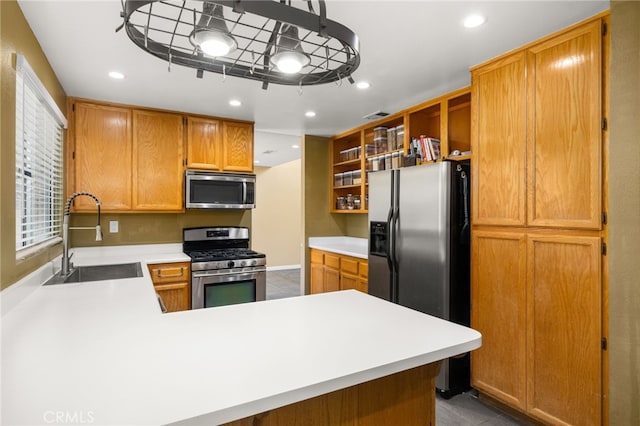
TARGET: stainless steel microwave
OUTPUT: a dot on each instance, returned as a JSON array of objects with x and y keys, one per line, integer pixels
[{"x": 212, "y": 190}]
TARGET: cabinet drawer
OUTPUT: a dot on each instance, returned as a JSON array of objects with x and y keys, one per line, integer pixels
[
  {"x": 169, "y": 272},
  {"x": 332, "y": 261},
  {"x": 364, "y": 269},
  {"x": 350, "y": 266},
  {"x": 317, "y": 257}
]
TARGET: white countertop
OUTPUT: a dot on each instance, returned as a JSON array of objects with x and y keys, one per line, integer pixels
[
  {"x": 350, "y": 246},
  {"x": 104, "y": 353}
]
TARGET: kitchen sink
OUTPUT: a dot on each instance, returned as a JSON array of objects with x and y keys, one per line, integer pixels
[{"x": 99, "y": 273}]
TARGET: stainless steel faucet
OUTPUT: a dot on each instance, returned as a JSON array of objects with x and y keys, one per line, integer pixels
[{"x": 67, "y": 266}]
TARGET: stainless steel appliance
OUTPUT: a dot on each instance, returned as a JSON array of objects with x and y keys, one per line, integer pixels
[
  {"x": 419, "y": 248},
  {"x": 224, "y": 270},
  {"x": 213, "y": 190}
]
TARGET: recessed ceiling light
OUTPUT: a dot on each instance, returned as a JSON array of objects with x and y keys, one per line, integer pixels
[
  {"x": 117, "y": 75},
  {"x": 235, "y": 102},
  {"x": 256, "y": 161},
  {"x": 473, "y": 21},
  {"x": 362, "y": 85},
  {"x": 310, "y": 114},
  {"x": 295, "y": 146}
]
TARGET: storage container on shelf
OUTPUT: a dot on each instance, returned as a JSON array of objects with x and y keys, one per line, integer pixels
[
  {"x": 347, "y": 178},
  {"x": 337, "y": 179},
  {"x": 381, "y": 144},
  {"x": 391, "y": 139},
  {"x": 396, "y": 160},
  {"x": 400, "y": 136},
  {"x": 344, "y": 155},
  {"x": 370, "y": 149},
  {"x": 341, "y": 203},
  {"x": 380, "y": 132},
  {"x": 356, "y": 177},
  {"x": 387, "y": 161}
]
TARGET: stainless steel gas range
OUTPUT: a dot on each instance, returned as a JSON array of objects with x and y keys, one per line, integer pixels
[{"x": 225, "y": 271}]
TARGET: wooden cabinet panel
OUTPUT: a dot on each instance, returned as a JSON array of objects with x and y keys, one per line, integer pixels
[
  {"x": 349, "y": 265},
  {"x": 332, "y": 260},
  {"x": 317, "y": 278},
  {"x": 158, "y": 161},
  {"x": 237, "y": 146},
  {"x": 565, "y": 130},
  {"x": 331, "y": 279},
  {"x": 172, "y": 281},
  {"x": 499, "y": 142},
  {"x": 497, "y": 311},
  {"x": 364, "y": 269},
  {"x": 102, "y": 141},
  {"x": 204, "y": 142},
  {"x": 317, "y": 257},
  {"x": 175, "y": 296},
  {"x": 348, "y": 282},
  {"x": 564, "y": 336}
]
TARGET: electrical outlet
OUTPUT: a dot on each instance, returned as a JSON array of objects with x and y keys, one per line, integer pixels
[{"x": 113, "y": 226}]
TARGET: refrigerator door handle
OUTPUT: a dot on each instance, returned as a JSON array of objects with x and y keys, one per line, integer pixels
[
  {"x": 394, "y": 230},
  {"x": 390, "y": 240}
]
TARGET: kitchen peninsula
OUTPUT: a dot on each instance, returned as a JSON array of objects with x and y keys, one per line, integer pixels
[{"x": 102, "y": 352}]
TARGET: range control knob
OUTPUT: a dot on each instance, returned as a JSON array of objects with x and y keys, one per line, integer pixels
[
  {"x": 254, "y": 262},
  {"x": 231, "y": 264},
  {"x": 243, "y": 263}
]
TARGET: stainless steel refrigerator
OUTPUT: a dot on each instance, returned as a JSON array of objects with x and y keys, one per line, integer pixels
[{"x": 419, "y": 223}]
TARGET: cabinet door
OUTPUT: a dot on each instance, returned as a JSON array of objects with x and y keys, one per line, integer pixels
[
  {"x": 331, "y": 279},
  {"x": 237, "y": 146},
  {"x": 175, "y": 296},
  {"x": 102, "y": 138},
  {"x": 317, "y": 278},
  {"x": 203, "y": 143},
  {"x": 498, "y": 312},
  {"x": 158, "y": 161},
  {"x": 348, "y": 282},
  {"x": 498, "y": 143},
  {"x": 564, "y": 133},
  {"x": 564, "y": 332}
]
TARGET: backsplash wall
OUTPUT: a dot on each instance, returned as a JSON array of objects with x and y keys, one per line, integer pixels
[{"x": 150, "y": 228}]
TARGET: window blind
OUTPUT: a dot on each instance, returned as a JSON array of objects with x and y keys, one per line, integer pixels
[{"x": 39, "y": 162}]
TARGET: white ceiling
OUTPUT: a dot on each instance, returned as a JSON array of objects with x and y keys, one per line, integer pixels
[{"x": 411, "y": 51}]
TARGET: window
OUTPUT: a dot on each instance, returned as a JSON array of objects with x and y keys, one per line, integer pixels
[{"x": 39, "y": 134}]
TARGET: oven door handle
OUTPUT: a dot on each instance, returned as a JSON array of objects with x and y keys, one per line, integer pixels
[{"x": 239, "y": 274}]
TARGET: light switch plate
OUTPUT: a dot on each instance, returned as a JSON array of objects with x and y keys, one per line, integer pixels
[{"x": 113, "y": 226}]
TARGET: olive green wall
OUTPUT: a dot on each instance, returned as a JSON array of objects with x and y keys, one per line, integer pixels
[
  {"x": 16, "y": 37},
  {"x": 624, "y": 215},
  {"x": 151, "y": 228}
]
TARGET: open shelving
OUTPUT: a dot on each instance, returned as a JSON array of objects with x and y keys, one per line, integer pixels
[{"x": 447, "y": 118}]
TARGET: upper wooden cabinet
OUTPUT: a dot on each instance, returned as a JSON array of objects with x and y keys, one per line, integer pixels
[
  {"x": 204, "y": 140},
  {"x": 498, "y": 125},
  {"x": 100, "y": 138},
  {"x": 237, "y": 146},
  {"x": 157, "y": 161},
  {"x": 539, "y": 112},
  {"x": 133, "y": 159},
  {"x": 564, "y": 128}
]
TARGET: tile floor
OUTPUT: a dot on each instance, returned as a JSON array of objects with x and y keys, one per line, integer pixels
[{"x": 461, "y": 410}]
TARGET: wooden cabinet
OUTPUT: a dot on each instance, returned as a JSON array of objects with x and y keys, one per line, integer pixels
[
  {"x": 133, "y": 159},
  {"x": 498, "y": 312},
  {"x": 157, "y": 161},
  {"x": 204, "y": 140},
  {"x": 359, "y": 151},
  {"x": 333, "y": 272},
  {"x": 537, "y": 193},
  {"x": 172, "y": 281},
  {"x": 237, "y": 146},
  {"x": 100, "y": 138}
]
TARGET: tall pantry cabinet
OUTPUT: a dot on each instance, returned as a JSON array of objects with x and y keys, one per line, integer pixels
[{"x": 538, "y": 226}]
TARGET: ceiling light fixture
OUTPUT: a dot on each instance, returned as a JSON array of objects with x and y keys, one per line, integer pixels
[
  {"x": 269, "y": 41},
  {"x": 310, "y": 114},
  {"x": 295, "y": 146},
  {"x": 211, "y": 34},
  {"x": 289, "y": 56},
  {"x": 473, "y": 21},
  {"x": 235, "y": 103},
  {"x": 116, "y": 75},
  {"x": 362, "y": 85}
]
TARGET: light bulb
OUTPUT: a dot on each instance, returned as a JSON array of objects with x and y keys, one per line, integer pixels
[
  {"x": 215, "y": 43},
  {"x": 290, "y": 62}
]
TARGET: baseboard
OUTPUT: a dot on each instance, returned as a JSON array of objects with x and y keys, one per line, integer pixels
[{"x": 282, "y": 267}]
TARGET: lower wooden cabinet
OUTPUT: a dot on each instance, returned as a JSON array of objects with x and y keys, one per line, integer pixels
[
  {"x": 537, "y": 300},
  {"x": 333, "y": 272},
  {"x": 172, "y": 281}
]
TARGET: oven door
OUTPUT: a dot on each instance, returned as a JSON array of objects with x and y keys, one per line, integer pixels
[{"x": 227, "y": 287}]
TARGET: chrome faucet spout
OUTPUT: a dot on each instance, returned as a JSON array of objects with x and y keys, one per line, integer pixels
[{"x": 67, "y": 266}]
